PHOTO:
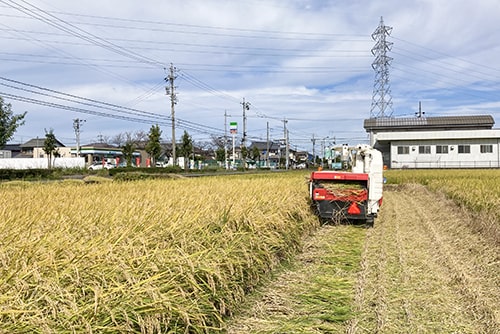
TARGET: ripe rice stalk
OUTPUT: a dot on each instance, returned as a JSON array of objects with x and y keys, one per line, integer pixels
[
  {"x": 174, "y": 255},
  {"x": 477, "y": 191}
]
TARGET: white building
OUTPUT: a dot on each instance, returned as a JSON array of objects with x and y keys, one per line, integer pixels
[{"x": 436, "y": 142}]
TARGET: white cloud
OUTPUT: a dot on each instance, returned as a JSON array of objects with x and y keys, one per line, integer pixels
[{"x": 305, "y": 60}]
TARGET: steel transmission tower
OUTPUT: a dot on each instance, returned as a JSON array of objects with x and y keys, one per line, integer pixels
[{"x": 381, "y": 99}]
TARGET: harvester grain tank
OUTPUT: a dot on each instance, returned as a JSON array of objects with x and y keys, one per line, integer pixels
[{"x": 350, "y": 195}]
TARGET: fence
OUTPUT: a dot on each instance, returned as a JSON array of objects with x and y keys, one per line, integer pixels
[
  {"x": 445, "y": 164},
  {"x": 41, "y": 163}
]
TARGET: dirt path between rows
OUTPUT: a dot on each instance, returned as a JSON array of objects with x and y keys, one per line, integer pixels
[{"x": 420, "y": 270}]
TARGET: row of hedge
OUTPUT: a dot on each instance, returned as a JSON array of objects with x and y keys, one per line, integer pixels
[
  {"x": 58, "y": 173},
  {"x": 27, "y": 174},
  {"x": 122, "y": 173}
]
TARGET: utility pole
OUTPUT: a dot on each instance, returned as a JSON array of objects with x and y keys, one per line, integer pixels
[
  {"x": 323, "y": 147},
  {"x": 226, "y": 163},
  {"x": 173, "y": 101},
  {"x": 267, "y": 147},
  {"x": 287, "y": 150},
  {"x": 77, "y": 123},
  {"x": 246, "y": 106},
  {"x": 314, "y": 153},
  {"x": 285, "y": 137}
]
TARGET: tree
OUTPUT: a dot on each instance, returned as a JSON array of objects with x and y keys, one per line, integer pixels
[
  {"x": 153, "y": 147},
  {"x": 140, "y": 139},
  {"x": 50, "y": 146},
  {"x": 244, "y": 155},
  {"x": 255, "y": 154},
  {"x": 128, "y": 152},
  {"x": 220, "y": 154},
  {"x": 8, "y": 122},
  {"x": 119, "y": 140},
  {"x": 186, "y": 148},
  {"x": 217, "y": 141},
  {"x": 103, "y": 139}
]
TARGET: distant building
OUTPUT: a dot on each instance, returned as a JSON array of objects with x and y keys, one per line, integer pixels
[
  {"x": 277, "y": 152},
  {"x": 102, "y": 151},
  {"x": 33, "y": 148},
  {"x": 31, "y": 155},
  {"x": 272, "y": 158},
  {"x": 13, "y": 149},
  {"x": 436, "y": 142}
]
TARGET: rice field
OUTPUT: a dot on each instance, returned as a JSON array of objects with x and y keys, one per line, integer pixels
[
  {"x": 476, "y": 190},
  {"x": 422, "y": 268},
  {"x": 182, "y": 255},
  {"x": 152, "y": 256}
]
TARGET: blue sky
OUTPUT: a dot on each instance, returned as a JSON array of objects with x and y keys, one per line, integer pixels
[{"x": 307, "y": 61}]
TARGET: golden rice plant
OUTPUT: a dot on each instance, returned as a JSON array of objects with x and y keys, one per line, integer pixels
[
  {"x": 478, "y": 190},
  {"x": 175, "y": 255}
]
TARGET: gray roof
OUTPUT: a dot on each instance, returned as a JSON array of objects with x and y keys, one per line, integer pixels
[
  {"x": 262, "y": 145},
  {"x": 38, "y": 142},
  {"x": 429, "y": 123}
]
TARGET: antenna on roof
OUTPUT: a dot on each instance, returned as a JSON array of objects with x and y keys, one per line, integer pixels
[{"x": 420, "y": 113}]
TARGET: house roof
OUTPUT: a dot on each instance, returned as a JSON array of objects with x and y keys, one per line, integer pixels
[
  {"x": 429, "y": 123},
  {"x": 100, "y": 145},
  {"x": 38, "y": 142},
  {"x": 262, "y": 145},
  {"x": 12, "y": 147}
]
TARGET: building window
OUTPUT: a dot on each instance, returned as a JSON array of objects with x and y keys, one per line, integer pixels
[
  {"x": 486, "y": 148},
  {"x": 424, "y": 149},
  {"x": 463, "y": 148},
  {"x": 441, "y": 149},
  {"x": 403, "y": 149}
]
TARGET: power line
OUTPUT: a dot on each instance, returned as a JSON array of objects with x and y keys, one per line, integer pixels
[
  {"x": 73, "y": 30},
  {"x": 288, "y": 51},
  {"x": 320, "y": 36},
  {"x": 128, "y": 114},
  {"x": 490, "y": 68}
]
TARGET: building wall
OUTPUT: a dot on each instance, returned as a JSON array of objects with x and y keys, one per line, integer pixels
[
  {"x": 23, "y": 163},
  {"x": 389, "y": 141},
  {"x": 64, "y": 152},
  {"x": 4, "y": 154},
  {"x": 445, "y": 153}
]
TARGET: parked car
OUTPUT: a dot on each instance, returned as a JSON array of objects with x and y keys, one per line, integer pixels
[
  {"x": 124, "y": 164},
  {"x": 161, "y": 164},
  {"x": 96, "y": 165}
]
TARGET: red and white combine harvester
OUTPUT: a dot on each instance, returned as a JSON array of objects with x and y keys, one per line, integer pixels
[{"x": 355, "y": 195}]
